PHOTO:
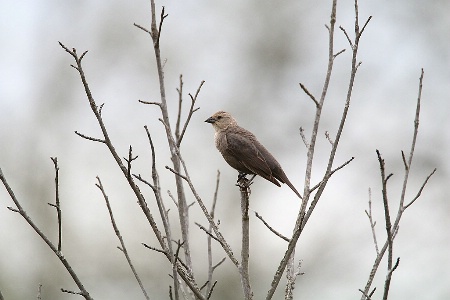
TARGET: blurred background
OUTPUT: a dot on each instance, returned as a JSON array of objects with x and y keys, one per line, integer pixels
[{"x": 252, "y": 55}]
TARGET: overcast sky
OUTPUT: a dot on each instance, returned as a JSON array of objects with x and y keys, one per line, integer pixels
[{"x": 252, "y": 55}]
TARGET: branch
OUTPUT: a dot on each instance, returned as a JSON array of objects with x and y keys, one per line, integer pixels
[
  {"x": 119, "y": 236},
  {"x": 191, "y": 112},
  {"x": 271, "y": 228},
  {"x": 420, "y": 190},
  {"x": 402, "y": 207},
  {"x": 211, "y": 268},
  {"x": 302, "y": 216},
  {"x": 185, "y": 274},
  {"x": 387, "y": 216},
  {"x": 83, "y": 292},
  {"x": 372, "y": 223},
  {"x": 309, "y": 94},
  {"x": 57, "y": 203},
  {"x": 244, "y": 187}
]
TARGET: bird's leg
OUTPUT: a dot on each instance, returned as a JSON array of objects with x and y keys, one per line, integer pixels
[
  {"x": 241, "y": 175},
  {"x": 242, "y": 180},
  {"x": 243, "y": 183}
]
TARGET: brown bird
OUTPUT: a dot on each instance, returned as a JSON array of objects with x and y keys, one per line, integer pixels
[{"x": 242, "y": 151}]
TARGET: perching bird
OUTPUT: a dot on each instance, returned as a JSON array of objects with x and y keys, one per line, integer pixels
[{"x": 242, "y": 151}]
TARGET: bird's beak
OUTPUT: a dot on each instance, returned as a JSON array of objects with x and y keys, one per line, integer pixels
[{"x": 210, "y": 120}]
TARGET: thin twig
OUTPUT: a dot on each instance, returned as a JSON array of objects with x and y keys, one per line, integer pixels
[
  {"x": 420, "y": 190},
  {"x": 176, "y": 173},
  {"x": 190, "y": 113},
  {"x": 384, "y": 180},
  {"x": 129, "y": 160},
  {"x": 208, "y": 296},
  {"x": 83, "y": 292},
  {"x": 119, "y": 236},
  {"x": 89, "y": 137},
  {"x": 271, "y": 228},
  {"x": 309, "y": 94},
  {"x": 302, "y": 134},
  {"x": 209, "y": 244},
  {"x": 208, "y": 232},
  {"x": 180, "y": 106},
  {"x": 367, "y": 297},
  {"x": 372, "y": 222},
  {"x": 57, "y": 202},
  {"x": 39, "y": 294},
  {"x": 332, "y": 172}
]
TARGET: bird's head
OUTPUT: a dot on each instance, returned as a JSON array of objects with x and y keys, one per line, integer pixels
[{"x": 221, "y": 120}]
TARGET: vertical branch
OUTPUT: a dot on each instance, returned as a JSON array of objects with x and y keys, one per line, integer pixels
[
  {"x": 180, "y": 106},
  {"x": 290, "y": 276},
  {"x": 83, "y": 292},
  {"x": 183, "y": 210},
  {"x": 119, "y": 236},
  {"x": 413, "y": 146},
  {"x": 304, "y": 216},
  {"x": 163, "y": 213},
  {"x": 57, "y": 203},
  {"x": 210, "y": 258},
  {"x": 387, "y": 216},
  {"x": 310, "y": 156},
  {"x": 244, "y": 187},
  {"x": 402, "y": 206},
  {"x": 372, "y": 222}
]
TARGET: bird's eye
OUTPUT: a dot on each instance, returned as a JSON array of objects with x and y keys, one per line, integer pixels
[{"x": 219, "y": 117}]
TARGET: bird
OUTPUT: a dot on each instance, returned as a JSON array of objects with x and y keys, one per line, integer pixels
[{"x": 243, "y": 152}]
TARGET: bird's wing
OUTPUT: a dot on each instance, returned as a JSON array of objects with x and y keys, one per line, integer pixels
[{"x": 246, "y": 149}]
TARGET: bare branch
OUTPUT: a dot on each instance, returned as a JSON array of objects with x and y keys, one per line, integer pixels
[
  {"x": 388, "y": 225},
  {"x": 186, "y": 274},
  {"x": 332, "y": 172},
  {"x": 142, "y": 28},
  {"x": 180, "y": 106},
  {"x": 346, "y": 35},
  {"x": 191, "y": 112},
  {"x": 402, "y": 207},
  {"x": 208, "y": 233},
  {"x": 271, "y": 228},
  {"x": 372, "y": 223},
  {"x": 129, "y": 160},
  {"x": 119, "y": 236},
  {"x": 338, "y": 53},
  {"x": 39, "y": 296},
  {"x": 365, "y": 24},
  {"x": 302, "y": 134},
  {"x": 211, "y": 268},
  {"x": 244, "y": 187},
  {"x": 327, "y": 135},
  {"x": 162, "y": 17},
  {"x": 89, "y": 138},
  {"x": 420, "y": 190},
  {"x": 208, "y": 296},
  {"x": 154, "y": 249},
  {"x": 309, "y": 94},
  {"x": 367, "y": 297},
  {"x": 150, "y": 103},
  {"x": 57, "y": 203},
  {"x": 83, "y": 292},
  {"x": 176, "y": 173}
]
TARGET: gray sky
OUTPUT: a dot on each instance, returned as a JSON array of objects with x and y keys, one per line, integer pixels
[{"x": 252, "y": 55}]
